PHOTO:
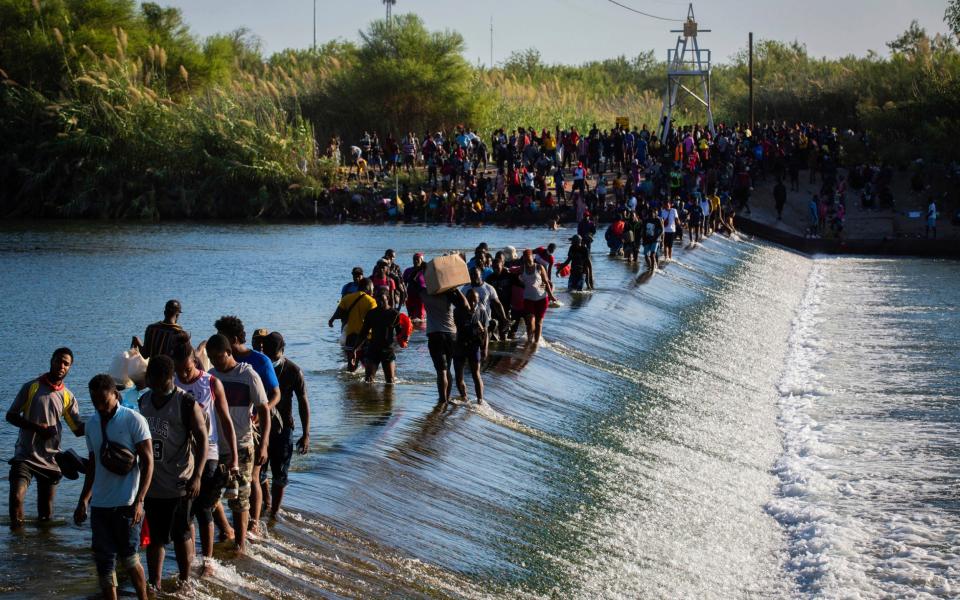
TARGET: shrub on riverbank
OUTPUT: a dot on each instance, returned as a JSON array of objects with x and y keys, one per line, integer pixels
[{"x": 115, "y": 136}]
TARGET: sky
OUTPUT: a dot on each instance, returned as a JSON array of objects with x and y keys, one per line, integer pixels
[{"x": 575, "y": 31}]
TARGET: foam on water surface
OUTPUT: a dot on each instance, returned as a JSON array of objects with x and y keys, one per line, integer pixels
[{"x": 868, "y": 474}]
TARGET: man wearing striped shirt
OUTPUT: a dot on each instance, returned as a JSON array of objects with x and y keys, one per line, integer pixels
[{"x": 163, "y": 336}]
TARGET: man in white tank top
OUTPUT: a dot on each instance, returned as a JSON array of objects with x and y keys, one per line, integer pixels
[{"x": 221, "y": 459}]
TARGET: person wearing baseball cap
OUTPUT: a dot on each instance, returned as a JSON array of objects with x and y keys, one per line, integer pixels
[{"x": 163, "y": 336}]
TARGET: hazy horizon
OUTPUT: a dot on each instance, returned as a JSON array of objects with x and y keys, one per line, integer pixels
[{"x": 554, "y": 27}]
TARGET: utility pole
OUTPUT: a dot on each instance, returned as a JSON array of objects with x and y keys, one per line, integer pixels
[
  {"x": 491, "y": 41},
  {"x": 314, "y": 25},
  {"x": 750, "y": 70}
]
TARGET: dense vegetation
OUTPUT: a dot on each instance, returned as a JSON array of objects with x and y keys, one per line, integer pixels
[{"x": 109, "y": 108}]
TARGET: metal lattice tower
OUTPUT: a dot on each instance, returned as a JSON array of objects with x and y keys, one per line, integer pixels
[
  {"x": 389, "y": 4},
  {"x": 686, "y": 60}
]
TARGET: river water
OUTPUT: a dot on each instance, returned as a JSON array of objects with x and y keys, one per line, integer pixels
[{"x": 750, "y": 423}]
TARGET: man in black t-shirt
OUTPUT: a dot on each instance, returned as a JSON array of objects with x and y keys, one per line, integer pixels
[
  {"x": 280, "y": 449},
  {"x": 502, "y": 281},
  {"x": 381, "y": 325},
  {"x": 651, "y": 231}
]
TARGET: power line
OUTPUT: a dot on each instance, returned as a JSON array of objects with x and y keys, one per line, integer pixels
[{"x": 640, "y": 12}]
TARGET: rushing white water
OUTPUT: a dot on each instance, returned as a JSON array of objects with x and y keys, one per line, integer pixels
[{"x": 869, "y": 410}]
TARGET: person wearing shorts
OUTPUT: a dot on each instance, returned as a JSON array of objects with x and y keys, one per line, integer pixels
[
  {"x": 245, "y": 394},
  {"x": 650, "y": 232},
  {"x": 471, "y": 343},
  {"x": 37, "y": 410},
  {"x": 441, "y": 334},
  {"x": 380, "y": 328},
  {"x": 179, "y": 433},
  {"x": 221, "y": 459},
  {"x": 292, "y": 383},
  {"x": 537, "y": 293},
  {"x": 351, "y": 311},
  {"x": 115, "y": 501},
  {"x": 670, "y": 219}
]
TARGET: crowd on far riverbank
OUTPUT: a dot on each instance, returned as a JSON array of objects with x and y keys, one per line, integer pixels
[{"x": 528, "y": 175}]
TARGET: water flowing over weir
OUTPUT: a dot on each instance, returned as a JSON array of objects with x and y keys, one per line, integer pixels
[
  {"x": 628, "y": 457},
  {"x": 871, "y": 417},
  {"x": 725, "y": 430}
]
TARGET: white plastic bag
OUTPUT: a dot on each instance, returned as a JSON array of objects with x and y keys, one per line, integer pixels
[
  {"x": 205, "y": 363},
  {"x": 129, "y": 368},
  {"x": 136, "y": 367}
]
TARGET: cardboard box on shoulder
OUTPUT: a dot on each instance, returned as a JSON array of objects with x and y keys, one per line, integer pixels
[{"x": 445, "y": 273}]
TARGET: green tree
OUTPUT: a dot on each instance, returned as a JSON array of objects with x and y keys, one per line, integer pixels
[
  {"x": 952, "y": 17},
  {"x": 403, "y": 77},
  {"x": 910, "y": 41}
]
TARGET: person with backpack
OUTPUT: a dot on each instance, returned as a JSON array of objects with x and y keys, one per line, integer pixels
[
  {"x": 471, "y": 342},
  {"x": 651, "y": 230},
  {"x": 178, "y": 431},
  {"x": 36, "y": 412},
  {"x": 114, "y": 489}
]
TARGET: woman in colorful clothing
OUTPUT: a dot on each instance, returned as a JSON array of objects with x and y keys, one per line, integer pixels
[{"x": 537, "y": 294}]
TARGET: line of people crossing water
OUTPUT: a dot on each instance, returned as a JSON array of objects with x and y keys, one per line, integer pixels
[
  {"x": 176, "y": 431},
  {"x": 179, "y": 430},
  {"x": 506, "y": 289}
]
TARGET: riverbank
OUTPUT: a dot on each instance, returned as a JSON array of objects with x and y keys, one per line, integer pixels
[{"x": 893, "y": 232}]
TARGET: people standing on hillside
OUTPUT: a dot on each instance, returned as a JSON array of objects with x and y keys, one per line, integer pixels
[
  {"x": 162, "y": 336},
  {"x": 280, "y": 450},
  {"x": 36, "y": 411},
  {"x": 120, "y": 453},
  {"x": 178, "y": 430}
]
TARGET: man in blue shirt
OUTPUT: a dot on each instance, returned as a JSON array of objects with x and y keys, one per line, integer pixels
[
  {"x": 354, "y": 285},
  {"x": 232, "y": 328},
  {"x": 115, "y": 498}
]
